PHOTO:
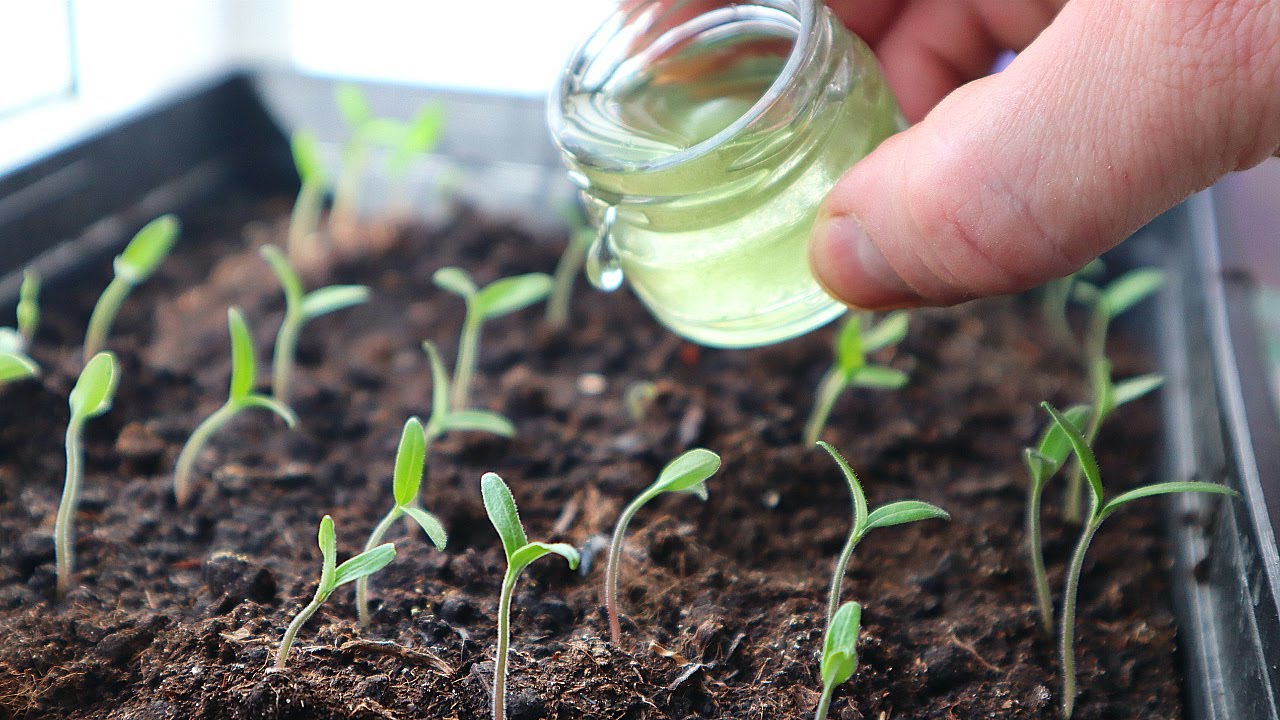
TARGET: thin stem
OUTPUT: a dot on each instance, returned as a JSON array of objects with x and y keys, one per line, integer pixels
[
  {"x": 303, "y": 222},
  {"x": 375, "y": 539},
  {"x": 612, "y": 569},
  {"x": 104, "y": 315},
  {"x": 286, "y": 643},
  {"x": 833, "y": 383},
  {"x": 468, "y": 343},
  {"x": 837, "y": 579},
  {"x": 504, "y": 641},
  {"x": 575, "y": 253},
  {"x": 191, "y": 451},
  {"x": 63, "y": 530},
  {"x": 1038, "y": 575},
  {"x": 825, "y": 703},
  {"x": 283, "y": 357},
  {"x": 346, "y": 198},
  {"x": 1053, "y": 307},
  {"x": 1066, "y": 648}
]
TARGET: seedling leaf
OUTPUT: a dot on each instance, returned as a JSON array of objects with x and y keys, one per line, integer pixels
[
  {"x": 364, "y": 564},
  {"x": 28, "y": 311},
  {"x": 849, "y": 352},
  {"x": 904, "y": 511},
  {"x": 1165, "y": 489},
  {"x": 327, "y": 539},
  {"x": 333, "y": 298},
  {"x": 244, "y": 368},
  {"x": 1127, "y": 391},
  {"x": 879, "y": 377},
  {"x": 1130, "y": 289},
  {"x": 477, "y": 421},
  {"x": 501, "y": 508},
  {"x": 289, "y": 280},
  {"x": 855, "y": 487},
  {"x": 147, "y": 249},
  {"x": 353, "y": 105},
  {"x": 410, "y": 462},
  {"x": 688, "y": 472},
  {"x": 523, "y": 556},
  {"x": 889, "y": 331},
  {"x": 840, "y": 649},
  {"x": 429, "y": 524},
  {"x": 96, "y": 387},
  {"x": 508, "y": 295},
  {"x": 16, "y": 367},
  {"x": 1054, "y": 446},
  {"x": 439, "y": 387},
  {"x": 456, "y": 281},
  {"x": 268, "y": 403},
  {"x": 306, "y": 158},
  {"x": 1088, "y": 463}
]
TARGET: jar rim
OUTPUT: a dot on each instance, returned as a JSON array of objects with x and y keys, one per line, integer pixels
[{"x": 805, "y": 10}]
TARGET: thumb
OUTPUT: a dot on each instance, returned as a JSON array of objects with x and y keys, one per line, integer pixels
[{"x": 1114, "y": 114}]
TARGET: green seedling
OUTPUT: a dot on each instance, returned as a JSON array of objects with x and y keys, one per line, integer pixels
[
  {"x": 355, "y": 110},
  {"x": 496, "y": 299},
  {"x": 15, "y": 367},
  {"x": 839, "y": 653},
  {"x": 407, "y": 142},
  {"x": 244, "y": 372},
  {"x": 92, "y": 396},
  {"x": 894, "y": 513},
  {"x": 139, "y": 261},
  {"x": 407, "y": 478},
  {"x": 444, "y": 419},
  {"x": 15, "y": 363},
  {"x": 581, "y": 235},
  {"x": 301, "y": 308},
  {"x": 1099, "y": 510},
  {"x": 331, "y": 578},
  {"x": 501, "y": 508},
  {"x": 686, "y": 474},
  {"x": 856, "y": 340},
  {"x": 304, "y": 220}
]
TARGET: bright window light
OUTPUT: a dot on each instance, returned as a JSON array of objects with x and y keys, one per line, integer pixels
[{"x": 35, "y": 50}]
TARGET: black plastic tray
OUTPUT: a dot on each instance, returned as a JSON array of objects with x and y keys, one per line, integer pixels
[{"x": 83, "y": 202}]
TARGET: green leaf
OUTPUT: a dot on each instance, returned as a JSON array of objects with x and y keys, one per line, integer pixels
[
  {"x": 29, "y": 305},
  {"x": 849, "y": 353},
  {"x": 439, "y": 389},
  {"x": 333, "y": 298},
  {"x": 1088, "y": 463},
  {"x": 424, "y": 130},
  {"x": 306, "y": 157},
  {"x": 364, "y": 564},
  {"x": 429, "y": 524},
  {"x": 840, "y": 648},
  {"x": 96, "y": 387},
  {"x": 508, "y": 295},
  {"x": 289, "y": 280},
  {"x": 477, "y": 421},
  {"x": 905, "y": 511},
  {"x": 1100, "y": 379},
  {"x": 147, "y": 249},
  {"x": 1054, "y": 445},
  {"x": 266, "y": 402},
  {"x": 1130, "y": 289},
  {"x": 688, "y": 473},
  {"x": 889, "y": 331},
  {"x": 353, "y": 105},
  {"x": 855, "y": 487},
  {"x": 1126, "y": 391},
  {"x": 1168, "y": 488},
  {"x": 501, "y": 508},
  {"x": 879, "y": 377},
  {"x": 244, "y": 365},
  {"x": 523, "y": 556},
  {"x": 14, "y": 366},
  {"x": 411, "y": 459},
  {"x": 328, "y": 541},
  {"x": 385, "y": 132},
  {"x": 456, "y": 281}
]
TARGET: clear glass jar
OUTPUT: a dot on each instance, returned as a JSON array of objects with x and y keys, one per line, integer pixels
[{"x": 704, "y": 134}]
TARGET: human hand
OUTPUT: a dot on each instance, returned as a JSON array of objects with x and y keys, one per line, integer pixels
[{"x": 1113, "y": 112}]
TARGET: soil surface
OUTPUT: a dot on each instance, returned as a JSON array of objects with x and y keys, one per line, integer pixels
[{"x": 178, "y": 613}]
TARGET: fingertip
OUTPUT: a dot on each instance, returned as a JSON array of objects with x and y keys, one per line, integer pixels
[{"x": 851, "y": 268}]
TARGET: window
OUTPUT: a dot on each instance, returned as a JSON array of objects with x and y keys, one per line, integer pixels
[{"x": 36, "y": 55}]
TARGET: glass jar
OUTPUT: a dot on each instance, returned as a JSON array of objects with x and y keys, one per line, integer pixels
[{"x": 703, "y": 135}]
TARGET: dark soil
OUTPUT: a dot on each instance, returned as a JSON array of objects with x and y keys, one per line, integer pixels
[{"x": 178, "y": 613}]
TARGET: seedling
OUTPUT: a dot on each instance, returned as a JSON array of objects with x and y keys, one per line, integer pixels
[
  {"x": 244, "y": 371},
  {"x": 407, "y": 142},
  {"x": 686, "y": 474},
  {"x": 1099, "y": 510},
  {"x": 894, "y": 513},
  {"x": 139, "y": 261},
  {"x": 581, "y": 235},
  {"x": 496, "y": 299},
  {"x": 501, "y": 508},
  {"x": 856, "y": 340},
  {"x": 443, "y": 419},
  {"x": 301, "y": 308},
  {"x": 331, "y": 578},
  {"x": 304, "y": 220},
  {"x": 1055, "y": 296},
  {"x": 410, "y": 461},
  {"x": 16, "y": 366},
  {"x": 839, "y": 653},
  {"x": 15, "y": 363},
  {"x": 91, "y": 397},
  {"x": 354, "y": 107}
]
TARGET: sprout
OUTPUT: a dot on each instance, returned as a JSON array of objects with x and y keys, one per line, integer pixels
[
  {"x": 851, "y": 369},
  {"x": 581, "y": 235},
  {"x": 354, "y": 106},
  {"x": 331, "y": 578},
  {"x": 894, "y": 513},
  {"x": 91, "y": 397},
  {"x": 16, "y": 366},
  {"x": 1099, "y": 510},
  {"x": 839, "y": 653},
  {"x": 15, "y": 363},
  {"x": 410, "y": 462},
  {"x": 408, "y": 141},
  {"x": 28, "y": 308},
  {"x": 240, "y": 397},
  {"x": 686, "y": 474},
  {"x": 139, "y": 261},
  {"x": 496, "y": 299},
  {"x": 443, "y": 419},
  {"x": 301, "y": 308},
  {"x": 305, "y": 218},
  {"x": 501, "y": 508}
]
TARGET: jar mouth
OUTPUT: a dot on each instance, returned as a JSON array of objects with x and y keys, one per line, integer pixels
[{"x": 613, "y": 30}]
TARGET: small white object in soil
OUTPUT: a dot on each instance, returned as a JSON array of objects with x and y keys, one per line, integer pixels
[{"x": 591, "y": 383}]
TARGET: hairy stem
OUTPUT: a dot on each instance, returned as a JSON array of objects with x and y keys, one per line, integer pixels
[
  {"x": 825, "y": 703},
  {"x": 468, "y": 344},
  {"x": 191, "y": 451},
  {"x": 283, "y": 356},
  {"x": 286, "y": 642},
  {"x": 833, "y": 383},
  {"x": 303, "y": 222},
  {"x": 612, "y": 569},
  {"x": 64, "y": 530},
  {"x": 837, "y": 579},
  {"x": 504, "y": 641},
  {"x": 1038, "y": 576},
  {"x": 575, "y": 253},
  {"x": 1066, "y": 646},
  {"x": 375, "y": 539},
  {"x": 104, "y": 315}
]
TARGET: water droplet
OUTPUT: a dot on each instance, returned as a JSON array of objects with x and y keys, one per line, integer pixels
[{"x": 604, "y": 266}]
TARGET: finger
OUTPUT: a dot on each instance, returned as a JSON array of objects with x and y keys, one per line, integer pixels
[{"x": 1115, "y": 113}]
